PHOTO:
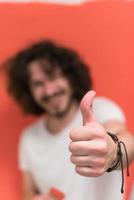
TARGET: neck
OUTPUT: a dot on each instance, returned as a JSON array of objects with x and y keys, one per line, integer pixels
[{"x": 56, "y": 124}]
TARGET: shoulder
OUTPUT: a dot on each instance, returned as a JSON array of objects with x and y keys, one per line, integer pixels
[
  {"x": 31, "y": 131},
  {"x": 105, "y": 109},
  {"x": 100, "y": 101}
]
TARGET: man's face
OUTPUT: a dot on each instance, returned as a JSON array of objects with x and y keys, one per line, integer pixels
[{"x": 51, "y": 91}]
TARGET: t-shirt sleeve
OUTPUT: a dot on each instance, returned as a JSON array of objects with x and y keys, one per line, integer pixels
[
  {"x": 23, "y": 153},
  {"x": 106, "y": 110}
]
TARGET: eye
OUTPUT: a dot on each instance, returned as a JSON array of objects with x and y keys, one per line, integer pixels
[
  {"x": 55, "y": 75},
  {"x": 35, "y": 84}
]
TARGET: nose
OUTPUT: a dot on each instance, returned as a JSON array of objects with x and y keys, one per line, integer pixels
[{"x": 49, "y": 88}]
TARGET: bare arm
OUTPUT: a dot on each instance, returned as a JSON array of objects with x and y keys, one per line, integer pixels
[
  {"x": 124, "y": 135},
  {"x": 28, "y": 187}
]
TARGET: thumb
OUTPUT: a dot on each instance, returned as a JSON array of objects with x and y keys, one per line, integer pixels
[{"x": 86, "y": 107}]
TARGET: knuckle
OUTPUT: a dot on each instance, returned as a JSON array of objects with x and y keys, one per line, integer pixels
[
  {"x": 100, "y": 171},
  {"x": 72, "y": 159},
  {"x": 99, "y": 131},
  {"x": 101, "y": 162},
  {"x": 103, "y": 147},
  {"x": 70, "y": 147},
  {"x": 75, "y": 134},
  {"x": 77, "y": 169},
  {"x": 72, "y": 134}
]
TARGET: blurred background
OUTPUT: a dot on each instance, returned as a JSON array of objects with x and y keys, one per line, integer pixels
[{"x": 101, "y": 32}]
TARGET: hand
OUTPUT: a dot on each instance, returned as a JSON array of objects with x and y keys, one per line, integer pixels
[{"x": 93, "y": 150}]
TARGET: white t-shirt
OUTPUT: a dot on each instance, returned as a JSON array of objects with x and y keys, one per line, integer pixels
[
  {"x": 132, "y": 193},
  {"x": 47, "y": 157}
]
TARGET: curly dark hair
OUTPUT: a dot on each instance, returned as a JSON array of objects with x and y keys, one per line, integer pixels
[{"x": 66, "y": 59}]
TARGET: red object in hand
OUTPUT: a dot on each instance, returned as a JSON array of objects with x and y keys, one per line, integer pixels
[{"x": 55, "y": 194}]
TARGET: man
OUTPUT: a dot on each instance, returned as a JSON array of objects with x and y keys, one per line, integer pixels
[{"x": 50, "y": 80}]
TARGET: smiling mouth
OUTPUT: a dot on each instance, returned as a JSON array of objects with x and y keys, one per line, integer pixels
[{"x": 53, "y": 97}]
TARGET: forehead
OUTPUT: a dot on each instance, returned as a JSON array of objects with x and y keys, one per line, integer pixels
[{"x": 43, "y": 67}]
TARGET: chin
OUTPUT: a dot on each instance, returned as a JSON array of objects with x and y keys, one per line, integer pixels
[{"x": 59, "y": 113}]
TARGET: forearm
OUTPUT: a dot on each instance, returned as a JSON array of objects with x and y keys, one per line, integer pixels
[
  {"x": 120, "y": 130},
  {"x": 128, "y": 139},
  {"x": 29, "y": 189},
  {"x": 33, "y": 197},
  {"x": 29, "y": 196}
]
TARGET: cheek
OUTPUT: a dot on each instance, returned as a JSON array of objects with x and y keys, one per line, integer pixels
[
  {"x": 65, "y": 85},
  {"x": 36, "y": 93}
]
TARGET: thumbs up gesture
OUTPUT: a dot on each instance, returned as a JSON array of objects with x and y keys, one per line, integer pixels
[{"x": 92, "y": 149}]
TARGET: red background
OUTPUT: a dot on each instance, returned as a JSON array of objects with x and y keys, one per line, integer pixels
[{"x": 103, "y": 33}]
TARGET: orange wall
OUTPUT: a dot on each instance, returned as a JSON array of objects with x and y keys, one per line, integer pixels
[{"x": 103, "y": 33}]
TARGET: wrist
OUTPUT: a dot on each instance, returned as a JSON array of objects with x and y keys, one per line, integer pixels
[
  {"x": 119, "y": 160},
  {"x": 114, "y": 155}
]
